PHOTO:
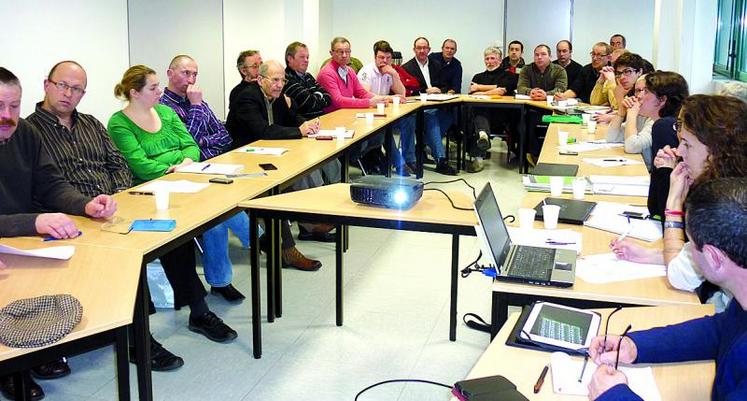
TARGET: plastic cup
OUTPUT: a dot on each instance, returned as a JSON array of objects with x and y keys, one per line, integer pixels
[
  {"x": 369, "y": 118},
  {"x": 585, "y": 118},
  {"x": 562, "y": 138},
  {"x": 550, "y": 215},
  {"x": 423, "y": 97},
  {"x": 380, "y": 108},
  {"x": 340, "y": 133},
  {"x": 579, "y": 188},
  {"x": 556, "y": 186},
  {"x": 550, "y": 98},
  {"x": 162, "y": 200},
  {"x": 526, "y": 218},
  {"x": 591, "y": 126},
  {"x": 395, "y": 104}
]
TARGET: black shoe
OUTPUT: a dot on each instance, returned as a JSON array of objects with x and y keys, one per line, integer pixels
[
  {"x": 403, "y": 170},
  {"x": 444, "y": 168},
  {"x": 229, "y": 292},
  {"x": 212, "y": 327},
  {"x": 51, "y": 370},
  {"x": 306, "y": 235},
  {"x": 428, "y": 160},
  {"x": 161, "y": 359},
  {"x": 9, "y": 389}
]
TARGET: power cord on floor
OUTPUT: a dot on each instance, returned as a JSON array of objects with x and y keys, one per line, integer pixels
[{"x": 401, "y": 381}]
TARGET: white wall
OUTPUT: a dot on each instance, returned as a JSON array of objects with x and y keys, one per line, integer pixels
[
  {"x": 595, "y": 21},
  {"x": 554, "y": 17},
  {"x": 474, "y": 24},
  {"x": 38, "y": 33},
  {"x": 159, "y": 30}
]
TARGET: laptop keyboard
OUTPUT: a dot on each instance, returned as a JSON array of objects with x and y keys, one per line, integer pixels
[{"x": 532, "y": 263}]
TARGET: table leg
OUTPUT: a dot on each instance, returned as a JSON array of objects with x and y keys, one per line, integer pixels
[
  {"x": 419, "y": 142},
  {"x": 338, "y": 276},
  {"x": 256, "y": 299},
  {"x": 123, "y": 368},
  {"x": 345, "y": 178},
  {"x": 23, "y": 390},
  {"x": 523, "y": 165},
  {"x": 141, "y": 337},
  {"x": 462, "y": 144},
  {"x": 270, "y": 233},
  {"x": 498, "y": 313},
  {"x": 278, "y": 264},
  {"x": 454, "y": 286},
  {"x": 390, "y": 146}
]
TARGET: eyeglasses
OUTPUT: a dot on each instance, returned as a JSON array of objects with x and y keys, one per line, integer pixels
[
  {"x": 63, "y": 87},
  {"x": 597, "y": 55},
  {"x": 627, "y": 72},
  {"x": 604, "y": 344},
  {"x": 275, "y": 81}
]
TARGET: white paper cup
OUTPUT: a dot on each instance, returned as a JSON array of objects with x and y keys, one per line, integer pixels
[
  {"x": 423, "y": 97},
  {"x": 380, "y": 108},
  {"x": 556, "y": 186},
  {"x": 162, "y": 200},
  {"x": 579, "y": 188},
  {"x": 562, "y": 138},
  {"x": 585, "y": 118},
  {"x": 340, "y": 133},
  {"x": 395, "y": 104},
  {"x": 550, "y": 98},
  {"x": 369, "y": 118},
  {"x": 526, "y": 218},
  {"x": 591, "y": 126},
  {"x": 550, "y": 216}
]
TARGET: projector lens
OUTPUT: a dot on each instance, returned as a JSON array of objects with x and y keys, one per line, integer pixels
[{"x": 400, "y": 197}]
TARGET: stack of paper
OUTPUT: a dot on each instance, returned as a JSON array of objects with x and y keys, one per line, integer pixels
[
  {"x": 557, "y": 239},
  {"x": 589, "y": 146},
  {"x": 261, "y": 151},
  {"x": 522, "y": 97},
  {"x": 608, "y": 216},
  {"x": 620, "y": 185},
  {"x": 541, "y": 183},
  {"x": 330, "y": 132},
  {"x": 184, "y": 186},
  {"x": 611, "y": 161},
  {"x": 211, "y": 168},
  {"x": 54, "y": 252},
  {"x": 440, "y": 97},
  {"x": 607, "y": 268},
  {"x": 566, "y": 371}
]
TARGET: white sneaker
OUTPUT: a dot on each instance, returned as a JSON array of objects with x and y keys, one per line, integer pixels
[{"x": 483, "y": 141}]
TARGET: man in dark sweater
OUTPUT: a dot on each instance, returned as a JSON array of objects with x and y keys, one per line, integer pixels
[
  {"x": 715, "y": 220},
  {"x": 31, "y": 186},
  {"x": 564, "y": 50}
]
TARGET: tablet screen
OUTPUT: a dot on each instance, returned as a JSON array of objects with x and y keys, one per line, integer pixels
[{"x": 561, "y": 326}]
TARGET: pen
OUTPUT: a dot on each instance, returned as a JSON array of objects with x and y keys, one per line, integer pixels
[
  {"x": 206, "y": 167},
  {"x": 140, "y": 192},
  {"x": 551, "y": 242},
  {"x": 583, "y": 368},
  {"x": 541, "y": 379},
  {"x": 615, "y": 160},
  {"x": 625, "y": 234},
  {"x": 55, "y": 239}
]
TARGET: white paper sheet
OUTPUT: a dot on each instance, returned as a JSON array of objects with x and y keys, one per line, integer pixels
[
  {"x": 64, "y": 252},
  {"x": 211, "y": 168},
  {"x": 557, "y": 239},
  {"x": 566, "y": 370},
  {"x": 611, "y": 161},
  {"x": 642, "y": 180},
  {"x": 330, "y": 132},
  {"x": 261, "y": 151},
  {"x": 589, "y": 146},
  {"x": 607, "y": 216},
  {"x": 607, "y": 268},
  {"x": 184, "y": 186}
]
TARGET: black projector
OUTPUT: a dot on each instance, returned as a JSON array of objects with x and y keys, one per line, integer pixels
[{"x": 393, "y": 193}]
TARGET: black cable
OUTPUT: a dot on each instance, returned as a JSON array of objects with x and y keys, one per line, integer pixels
[
  {"x": 449, "y": 198},
  {"x": 474, "y": 191},
  {"x": 468, "y": 269},
  {"x": 401, "y": 381}
]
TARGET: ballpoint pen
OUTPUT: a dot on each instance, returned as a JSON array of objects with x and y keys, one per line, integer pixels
[
  {"x": 205, "y": 167},
  {"x": 615, "y": 160},
  {"x": 583, "y": 368},
  {"x": 541, "y": 379},
  {"x": 552, "y": 242}
]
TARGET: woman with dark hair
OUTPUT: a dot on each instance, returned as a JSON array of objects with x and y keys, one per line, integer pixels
[{"x": 712, "y": 135}]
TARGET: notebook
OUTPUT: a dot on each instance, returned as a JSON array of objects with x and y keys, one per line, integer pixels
[
  {"x": 524, "y": 264},
  {"x": 572, "y": 211},
  {"x": 563, "y": 170}
]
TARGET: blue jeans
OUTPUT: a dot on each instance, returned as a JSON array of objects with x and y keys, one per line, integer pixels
[
  {"x": 215, "y": 260},
  {"x": 436, "y": 124}
]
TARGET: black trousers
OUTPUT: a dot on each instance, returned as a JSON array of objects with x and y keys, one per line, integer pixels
[{"x": 181, "y": 271}]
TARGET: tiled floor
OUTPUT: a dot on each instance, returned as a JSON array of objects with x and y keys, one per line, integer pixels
[{"x": 396, "y": 324}]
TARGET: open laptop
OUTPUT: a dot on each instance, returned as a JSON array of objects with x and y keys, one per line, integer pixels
[{"x": 519, "y": 263}]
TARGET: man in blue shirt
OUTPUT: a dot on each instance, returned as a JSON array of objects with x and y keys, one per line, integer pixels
[
  {"x": 716, "y": 219},
  {"x": 451, "y": 67}
]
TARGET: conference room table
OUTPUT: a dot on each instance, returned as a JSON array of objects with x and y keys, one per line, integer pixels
[
  {"x": 691, "y": 381},
  {"x": 102, "y": 279},
  {"x": 332, "y": 204}
]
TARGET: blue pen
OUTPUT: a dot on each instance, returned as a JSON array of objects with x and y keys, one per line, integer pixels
[
  {"x": 205, "y": 168},
  {"x": 551, "y": 242},
  {"x": 55, "y": 239}
]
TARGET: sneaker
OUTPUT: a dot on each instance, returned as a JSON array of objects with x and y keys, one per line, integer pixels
[
  {"x": 292, "y": 257},
  {"x": 229, "y": 293},
  {"x": 475, "y": 166},
  {"x": 212, "y": 327},
  {"x": 444, "y": 168},
  {"x": 483, "y": 141},
  {"x": 8, "y": 388},
  {"x": 161, "y": 359}
]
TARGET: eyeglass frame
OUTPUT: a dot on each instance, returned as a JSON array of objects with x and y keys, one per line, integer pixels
[
  {"x": 594, "y": 55},
  {"x": 628, "y": 71},
  {"x": 64, "y": 86}
]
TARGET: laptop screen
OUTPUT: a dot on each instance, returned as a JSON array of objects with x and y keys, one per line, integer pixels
[{"x": 492, "y": 224}]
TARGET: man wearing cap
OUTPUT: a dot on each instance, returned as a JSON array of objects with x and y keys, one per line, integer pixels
[{"x": 31, "y": 184}]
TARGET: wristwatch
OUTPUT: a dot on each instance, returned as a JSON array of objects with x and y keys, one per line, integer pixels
[{"x": 674, "y": 224}]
